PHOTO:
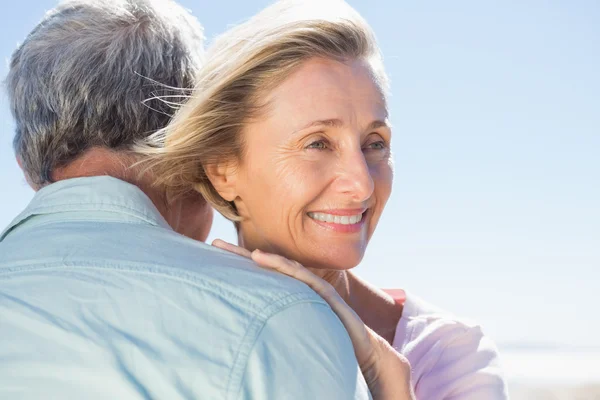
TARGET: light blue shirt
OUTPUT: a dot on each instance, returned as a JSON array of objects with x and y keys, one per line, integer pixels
[{"x": 101, "y": 299}]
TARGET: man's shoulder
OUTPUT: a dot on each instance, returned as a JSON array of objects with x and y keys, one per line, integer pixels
[
  {"x": 140, "y": 295},
  {"x": 224, "y": 273},
  {"x": 149, "y": 253}
]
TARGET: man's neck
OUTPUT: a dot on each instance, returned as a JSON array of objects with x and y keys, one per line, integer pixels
[
  {"x": 189, "y": 215},
  {"x": 99, "y": 161}
]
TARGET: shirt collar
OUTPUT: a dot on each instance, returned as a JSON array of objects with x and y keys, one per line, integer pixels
[{"x": 99, "y": 193}]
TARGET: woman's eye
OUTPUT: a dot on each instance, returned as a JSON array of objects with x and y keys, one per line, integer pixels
[
  {"x": 379, "y": 145},
  {"x": 318, "y": 145}
]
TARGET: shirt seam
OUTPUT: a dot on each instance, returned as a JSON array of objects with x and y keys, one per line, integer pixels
[
  {"x": 155, "y": 269},
  {"x": 89, "y": 206},
  {"x": 34, "y": 224},
  {"x": 102, "y": 194},
  {"x": 234, "y": 385}
]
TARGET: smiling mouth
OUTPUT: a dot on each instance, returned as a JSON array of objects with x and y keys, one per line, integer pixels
[{"x": 337, "y": 219}]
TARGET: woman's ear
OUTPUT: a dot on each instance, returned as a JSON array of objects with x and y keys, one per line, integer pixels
[{"x": 223, "y": 177}]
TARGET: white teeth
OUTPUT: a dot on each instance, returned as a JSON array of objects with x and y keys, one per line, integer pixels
[{"x": 336, "y": 219}]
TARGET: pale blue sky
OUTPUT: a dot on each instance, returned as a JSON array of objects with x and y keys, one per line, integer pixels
[{"x": 495, "y": 213}]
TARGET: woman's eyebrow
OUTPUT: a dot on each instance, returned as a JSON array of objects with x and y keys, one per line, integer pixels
[
  {"x": 331, "y": 123},
  {"x": 337, "y": 123},
  {"x": 378, "y": 124}
]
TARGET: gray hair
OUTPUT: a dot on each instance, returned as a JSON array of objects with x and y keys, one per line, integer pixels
[{"x": 96, "y": 73}]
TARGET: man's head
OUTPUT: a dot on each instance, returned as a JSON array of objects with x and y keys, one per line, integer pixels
[
  {"x": 94, "y": 77},
  {"x": 89, "y": 74}
]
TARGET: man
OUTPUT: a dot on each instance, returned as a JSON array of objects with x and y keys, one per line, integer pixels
[{"x": 103, "y": 292}]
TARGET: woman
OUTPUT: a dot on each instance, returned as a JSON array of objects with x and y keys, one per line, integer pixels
[{"x": 288, "y": 136}]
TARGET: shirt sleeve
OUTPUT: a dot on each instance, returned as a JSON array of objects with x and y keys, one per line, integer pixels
[
  {"x": 467, "y": 368},
  {"x": 303, "y": 352}
]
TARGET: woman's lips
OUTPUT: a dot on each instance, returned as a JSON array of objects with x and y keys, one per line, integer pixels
[{"x": 345, "y": 221}]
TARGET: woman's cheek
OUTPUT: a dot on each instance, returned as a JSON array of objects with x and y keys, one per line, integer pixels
[
  {"x": 383, "y": 176},
  {"x": 297, "y": 174}
]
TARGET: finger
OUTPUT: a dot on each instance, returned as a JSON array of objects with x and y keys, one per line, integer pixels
[
  {"x": 290, "y": 268},
  {"x": 296, "y": 271},
  {"x": 231, "y": 248}
]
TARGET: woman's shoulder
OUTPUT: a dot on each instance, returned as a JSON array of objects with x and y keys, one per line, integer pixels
[
  {"x": 421, "y": 320},
  {"x": 424, "y": 325},
  {"x": 424, "y": 321},
  {"x": 449, "y": 355}
]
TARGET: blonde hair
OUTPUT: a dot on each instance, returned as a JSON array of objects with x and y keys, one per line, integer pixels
[{"x": 241, "y": 66}]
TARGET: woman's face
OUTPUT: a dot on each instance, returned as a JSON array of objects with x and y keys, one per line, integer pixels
[{"x": 317, "y": 173}]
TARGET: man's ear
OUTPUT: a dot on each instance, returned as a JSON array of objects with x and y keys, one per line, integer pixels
[
  {"x": 20, "y": 162},
  {"x": 223, "y": 176}
]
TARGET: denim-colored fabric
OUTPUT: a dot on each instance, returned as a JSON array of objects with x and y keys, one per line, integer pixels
[{"x": 101, "y": 299}]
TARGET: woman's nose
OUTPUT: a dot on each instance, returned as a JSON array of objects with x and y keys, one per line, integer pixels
[{"x": 355, "y": 176}]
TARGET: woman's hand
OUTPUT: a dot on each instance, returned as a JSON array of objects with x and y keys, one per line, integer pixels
[{"x": 387, "y": 372}]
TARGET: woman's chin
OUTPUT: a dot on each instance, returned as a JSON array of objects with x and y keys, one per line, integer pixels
[
  {"x": 336, "y": 267},
  {"x": 340, "y": 263},
  {"x": 326, "y": 256}
]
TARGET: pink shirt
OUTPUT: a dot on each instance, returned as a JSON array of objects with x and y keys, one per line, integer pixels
[{"x": 450, "y": 359}]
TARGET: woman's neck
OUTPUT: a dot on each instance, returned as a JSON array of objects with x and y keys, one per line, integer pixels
[{"x": 376, "y": 308}]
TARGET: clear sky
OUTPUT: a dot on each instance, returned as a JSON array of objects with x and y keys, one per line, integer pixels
[{"x": 495, "y": 213}]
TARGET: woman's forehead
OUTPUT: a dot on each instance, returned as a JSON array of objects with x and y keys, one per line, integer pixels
[{"x": 329, "y": 93}]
